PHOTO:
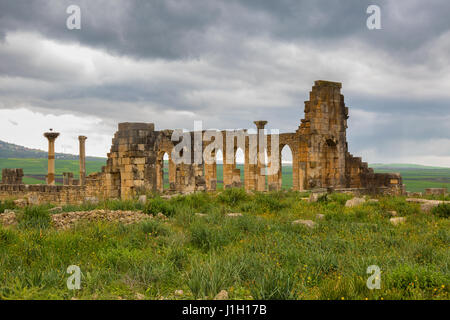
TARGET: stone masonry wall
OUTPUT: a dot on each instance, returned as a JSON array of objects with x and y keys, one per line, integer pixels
[
  {"x": 36, "y": 194},
  {"x": 12, "y": 176},
  {"x": 320, "y": 159}
]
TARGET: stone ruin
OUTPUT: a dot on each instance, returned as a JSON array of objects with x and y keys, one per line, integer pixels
[
  {"x": 436, "y": 191},
  {"x": 12, "y": 176},
  {"x": 320, "y": 158}
]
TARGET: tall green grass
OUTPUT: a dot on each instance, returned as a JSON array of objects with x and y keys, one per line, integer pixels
[{"x": 259, "y": 255}]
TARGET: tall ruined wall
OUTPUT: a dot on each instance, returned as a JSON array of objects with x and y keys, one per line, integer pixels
[
  {"x": 324, "y": 160},
  {"x": 324, "y": 131},
  {"x": 319, "y": 149},
  {"x": 135, "y": 163},
  {"x": 131, "y": 161}
]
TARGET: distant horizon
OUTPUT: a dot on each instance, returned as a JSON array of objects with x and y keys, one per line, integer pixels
[{"x": 220, "y": 161}]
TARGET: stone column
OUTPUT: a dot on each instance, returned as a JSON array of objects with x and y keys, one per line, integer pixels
[
  {"x": 82, "y": 140},
  {"x": 260, "y": 174},
  {"x": 51, "y": 136}
]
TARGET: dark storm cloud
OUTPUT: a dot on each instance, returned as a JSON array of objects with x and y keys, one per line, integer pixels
[
  {"x": 231, "y": 62},
  {"x": 184, "y": 29}
]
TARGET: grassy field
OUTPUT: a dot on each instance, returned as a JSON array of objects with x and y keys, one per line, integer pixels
[
  {"x": 35, "y": 170},
  {"x": 415, "y": 177},
  {"x": 259, "y": 255}
]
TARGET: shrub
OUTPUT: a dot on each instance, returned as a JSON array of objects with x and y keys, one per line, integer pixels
[
  {"x": 274, "y": 284},
  {"x": 7, "y": 204},
  {"x": 405, "y": 276},
  {"x": 178, "y": 256},
  {"x": 202, "y": 236},
  {"x": 233, "y": 196},
  {"x": 156, "y": 205},
  {"x": 207, "y": 278},
  {"x": 340, "y": 198},
  {"x": 205, "y": 236},
  {"x": 35, "y": 217},
  {"x": 442, "y": 210},
  {"x": 155, "y": 228},
  {"x": 269, "y": 202},
  {"x": 196, "y": 201},
  {"x": 7, "y": 236},
  {"x": 125, "y": 205}
]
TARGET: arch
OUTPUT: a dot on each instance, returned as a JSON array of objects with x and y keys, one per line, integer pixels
[
  {"x": 239, "y": 167},
  {"x": 219, "y": 169},
  {"x": 286, "y": 177},
  {"x": 164, "y": 170}
]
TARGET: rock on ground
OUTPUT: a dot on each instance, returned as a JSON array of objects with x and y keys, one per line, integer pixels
[
  {"x": 8, "y": 219},
  {"x": 236, "y": 214},
  {"x": 21, "y": 203},
  {"x": 425, "y": 204},
  {"x": 398, "y": 220},
  {"x": 161, "y": 216},
  {"x": 355, "y": 202},
  {"x": 320, "y": 216},
  {"x": 139, "y": 296},
  {"x": 200, "y": 214},
  {"x": 308, "y": 223},
  {"x": 179, "y": 292},
  {"x": 222, "y": 295},
  {"x": 393, "y": 213},
  {"x": 143, "y": 199},
  {"x": 315, "y": 196}
]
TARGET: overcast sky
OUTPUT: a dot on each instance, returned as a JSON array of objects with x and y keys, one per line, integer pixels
[{"x": 227, "y": 63}]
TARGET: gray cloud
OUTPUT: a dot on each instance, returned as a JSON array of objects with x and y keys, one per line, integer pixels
[
  {"x": 175, "y": 29},
  {"x": 229, "y": 63}
]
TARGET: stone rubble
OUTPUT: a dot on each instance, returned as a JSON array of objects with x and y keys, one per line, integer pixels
[
  {"x": 237, "y": 214},
  {"x": 308, "y": 223},
  {"x": 222, "y": 295},
  {"x": 425, "y": 204},
  {"x": 398, "y": 220},
  {"x": 355, "y": 202},
  {"x": 67, "y": 220}
]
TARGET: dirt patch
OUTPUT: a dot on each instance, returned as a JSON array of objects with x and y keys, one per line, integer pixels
[{"x": 67, "y": 220}]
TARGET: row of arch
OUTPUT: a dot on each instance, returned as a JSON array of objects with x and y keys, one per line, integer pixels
[{"x": 165, "y": 168}]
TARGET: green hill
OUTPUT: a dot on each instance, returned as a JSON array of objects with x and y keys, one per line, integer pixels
[
  {"x": 35, "y": 170},
  {"x": 417, "y": 177},
  {"x": 402, "y": 166},
  {"x": 10, "y": 150}
]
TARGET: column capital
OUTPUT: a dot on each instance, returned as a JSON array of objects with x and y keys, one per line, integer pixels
[
  {"x": 260, "y": 124},
  {"x": 51, "y": 136},
  {"x": 82, "y": 138}
]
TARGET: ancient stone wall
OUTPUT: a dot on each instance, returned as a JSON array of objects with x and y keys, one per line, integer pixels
[
  {"x": 319, "y": 149},
  {"x": 12, "y": 176},
  {"x": 37, "y": 194},
  {"x": 135, "y": 164}
]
